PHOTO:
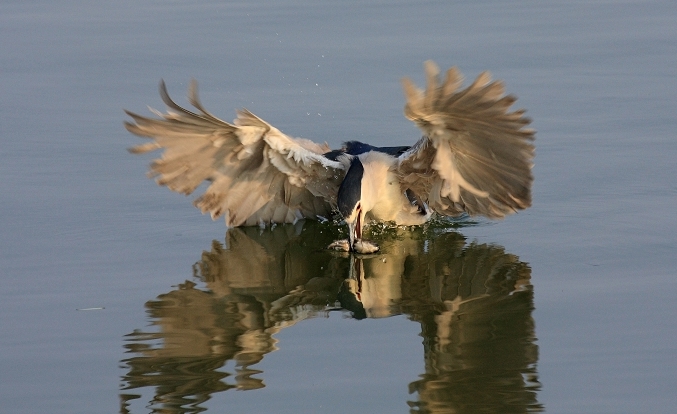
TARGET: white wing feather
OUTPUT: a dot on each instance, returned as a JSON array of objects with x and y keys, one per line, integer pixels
[
  {"x": 257, "y": 173},
  {"x": 476, "y": 156}
]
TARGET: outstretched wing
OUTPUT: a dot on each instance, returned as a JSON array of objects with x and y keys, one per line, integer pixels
[
  {"x": 476, "y": 155},
  {"x": 257, "y": 173}
]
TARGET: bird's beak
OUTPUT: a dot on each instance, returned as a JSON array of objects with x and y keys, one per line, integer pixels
[{"x": 355, "y": 227}]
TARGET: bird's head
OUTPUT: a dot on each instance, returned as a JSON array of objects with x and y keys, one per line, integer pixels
[{"x": 349, "y": 200}]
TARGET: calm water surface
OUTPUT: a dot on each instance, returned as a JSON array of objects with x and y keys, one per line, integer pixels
[
  {"x": 567, "y": 307},
  {"x": 472, "y": 304}
]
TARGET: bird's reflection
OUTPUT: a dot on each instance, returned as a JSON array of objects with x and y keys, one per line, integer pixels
[{"x": 473, "y": 302}]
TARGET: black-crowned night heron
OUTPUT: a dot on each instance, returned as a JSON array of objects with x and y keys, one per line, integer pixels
[{"x": 475, "y": 157}]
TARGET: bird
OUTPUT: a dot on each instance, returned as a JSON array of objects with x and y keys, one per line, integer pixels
[{"x": 475, "y": 157}]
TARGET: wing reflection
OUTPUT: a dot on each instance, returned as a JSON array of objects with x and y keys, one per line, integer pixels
[{"x": 473, "y": 302}]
